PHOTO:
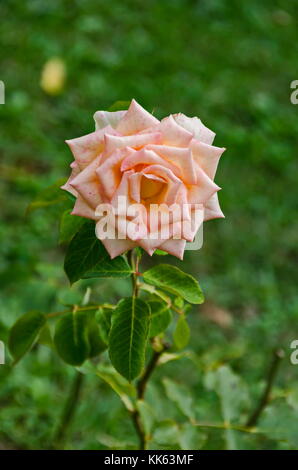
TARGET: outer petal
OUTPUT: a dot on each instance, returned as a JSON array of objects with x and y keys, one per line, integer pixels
[
  {"x": 87, "y": 184},
  {"x": 203, "y": 190},
  {"x": 212, "y": 209},
  {"x": 117, "y": 247},
  {"x": 107, "y": 118},
  {"x": 136, "y": 119},
  {"x": 181, "y": 157},
  {"x": 75, "y": 170},
  {"x": 173, "y": 133},
  {"x": 196, "y": 127},
  {"x": 109, "y": 173},
  {"x": 89, "y": 146},
  {"x": 174, "y": 247},
  {"x": 207, "y": 156},
  {"x": 82, "y": 209}
]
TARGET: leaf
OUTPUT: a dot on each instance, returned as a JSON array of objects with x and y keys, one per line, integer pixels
[
  {"x": 160, "y": 253},
  {"x": 117, "y": 267},
  {"x": 232, "y": 394},
  {"x": 181, "y": 334},
  {"x": 24, "y": 332},
  {"x": 69, "y": 226},
  {"x": 119, "y": 106},
  {"x": 166, "y": 434},
  {"x": 49, "y": 196},
  {"x": 103, "y": 318},
  {"x": 279, "y": 422},
  {"x": 119, "y": 384},
  {"x": 160, "y": 317},
  {"x": 71, "y": 337},
  {"x": 128, "y": 336},
  {"x": 85, "y": 252},
  {"x": 96, "y": 344},
  {"x": 147, "y": 416},
  {"x": 190, "y": 437},
  {"x": 174, "y": 280},
  {"x": 180, "y": 395}
]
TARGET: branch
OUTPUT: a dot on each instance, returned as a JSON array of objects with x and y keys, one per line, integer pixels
[
  {"x": 278, "y": 355},
  {"x": 68, "y": 410}
]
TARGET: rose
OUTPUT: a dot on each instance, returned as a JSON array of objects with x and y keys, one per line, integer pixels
[{"x": 152, "y": 163}]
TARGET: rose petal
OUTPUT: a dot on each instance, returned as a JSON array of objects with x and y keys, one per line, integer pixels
[
  {"x": 174, "y": 247},
  {"x": 196, "y": 127},
  {"x": 136, "y": 119},
  {"x": 82, "y": 209},
  {"x": 117, "y": 247},
  {"x": 89, "y": 146},
  {"x": 148, "y": 157},
  {"x": 212, "y": 209},
  {"x": 181, "y": 157},
  {"x": 174, "y": 183},
  {"x": 75, "y": 170},
  {"x": 137, "y": 141},
  {"x": 174, "y": 134},
  {"x": 109, "y": 173},
  {"x": 207, "y": 156},
  {"x": 87, "y": 185},
  {"x": 107, "y": 118},
  {"x": 203, "y": 190}
]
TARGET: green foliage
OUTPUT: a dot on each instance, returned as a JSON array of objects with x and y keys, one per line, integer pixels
[
  {"x": 69, "y": 226},
  {"x": 160, "y": 317},
  {"x": 174, "y": 280},
  {"x": 87, "y": 257},
  {"x": 181, "y": 334},
  {"x": 24, "y": 332},
  {"x": 128, "y": 336},
  {"x": 72, "y": 337}
]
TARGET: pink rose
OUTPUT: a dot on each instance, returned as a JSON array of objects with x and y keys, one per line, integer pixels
[{"x": 147, "y": 163}]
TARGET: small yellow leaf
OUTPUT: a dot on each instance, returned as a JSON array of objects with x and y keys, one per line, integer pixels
[{"x": 53, "y": 76}]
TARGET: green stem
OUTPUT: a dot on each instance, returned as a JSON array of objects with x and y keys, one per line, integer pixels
[
  {"x": 264, "y": 400},
  {"x": 68, "y": 410}
]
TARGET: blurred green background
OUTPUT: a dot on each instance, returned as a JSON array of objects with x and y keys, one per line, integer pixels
[{"x": 230, "y": 63}]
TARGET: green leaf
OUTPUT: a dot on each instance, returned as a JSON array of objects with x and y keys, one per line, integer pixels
[
  {"x": 147, "y": 414},
  {"x": 180, "y": 395},
  {"x": 117, "y": 267},
  {"x": 49, "y": 196},
  {"x": 85, "y": 252},
  {"x": 119, "y": 106},
  {"x": 160, "y": 317},
  {"x": 69, "y": 226},
  {"x": 174, "y": 280},
  {"x": 128, "y": 336},
  {"x": 103, "y": 318},
  {"x": 191, "y": 437},
  {"x": 166, "y": 434},
  {"x": 96, "y": 344},
  {"x": 119, "y": 384},
  {"x": 24, "y": 332},
  {"x": 71, "y": 337},
  {"x": 182, "y": 333},
  {"x": 232, "y": 394},
  {"x": 160, "y": 253}
]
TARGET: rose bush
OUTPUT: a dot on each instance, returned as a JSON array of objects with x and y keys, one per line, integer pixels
[{"x": 155, "y": 164}]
